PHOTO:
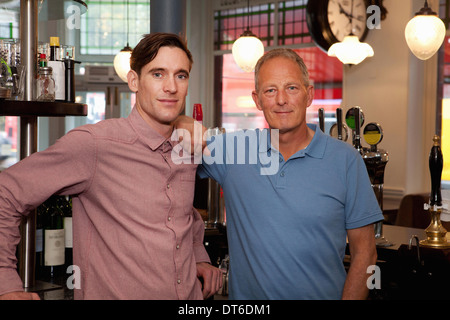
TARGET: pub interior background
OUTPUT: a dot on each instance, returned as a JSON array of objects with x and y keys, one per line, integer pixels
[
  {"x": 408, "y": 97},
  {"x": 405, "y": 95}
]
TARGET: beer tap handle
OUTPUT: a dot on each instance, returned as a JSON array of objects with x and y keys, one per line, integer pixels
[
  {"x": 339, "y": 122},
  {"x": 357, "y": 123},
  {"x": 321, "y": 120},
  {"x": 436, "y": 164}
]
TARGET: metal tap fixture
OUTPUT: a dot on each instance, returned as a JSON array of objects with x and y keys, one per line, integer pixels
[
  {"x": 436, "y": 233},
  {"x": 376, "y": 160}
]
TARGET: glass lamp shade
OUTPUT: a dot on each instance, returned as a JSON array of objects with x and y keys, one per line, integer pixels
[
  {"x": 424, "y": 35},
  {"x": 350, "y": 50},
  {"x": 122, "y": 63},
  {"x": 247, "y": 50}
]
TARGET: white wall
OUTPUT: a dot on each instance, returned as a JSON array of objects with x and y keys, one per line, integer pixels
[{"x": 398, "y": 91}]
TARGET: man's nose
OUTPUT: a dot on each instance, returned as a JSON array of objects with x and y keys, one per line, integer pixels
[
  {"x": 281, "y": 97},
  {"x": 170, "y": 85}
]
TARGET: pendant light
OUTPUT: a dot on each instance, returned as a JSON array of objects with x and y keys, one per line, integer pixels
[
  {"x": 122, "y": 59},
  {"x": 425, "y": 33},
  {"x": 350, "y": 50},
  {"x": 247, "y": 49}
]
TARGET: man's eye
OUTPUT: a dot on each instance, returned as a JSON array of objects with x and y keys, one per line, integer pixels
[
  {"x": 157, "y": 75},
  {"x": 182, "y": 76}
]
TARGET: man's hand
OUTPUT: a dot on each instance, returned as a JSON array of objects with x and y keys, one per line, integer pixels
[
  {"x": 190, "y": 133},
  {"x": 20, "y": 295},
  {"x": 212, "y": 278}
]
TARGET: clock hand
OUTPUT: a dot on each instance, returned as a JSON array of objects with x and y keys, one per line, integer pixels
[{"x": 341, "y": 10}]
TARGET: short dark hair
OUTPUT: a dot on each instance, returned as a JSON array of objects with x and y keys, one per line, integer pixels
[{"x": 147, "y": 49}]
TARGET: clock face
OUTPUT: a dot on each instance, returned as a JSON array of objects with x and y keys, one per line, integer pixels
[{"x": 347, "y": 16}]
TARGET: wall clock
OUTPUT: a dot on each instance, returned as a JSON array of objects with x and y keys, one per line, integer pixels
[{"x": 329, "y": 21}]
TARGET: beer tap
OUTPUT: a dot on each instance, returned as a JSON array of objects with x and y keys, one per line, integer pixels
[
  {"x": 339, "y": 129},
  {"x": 376, "y": 160},
  {"x": 436, "y": 233},
  {"x": 355, "y": 119}
]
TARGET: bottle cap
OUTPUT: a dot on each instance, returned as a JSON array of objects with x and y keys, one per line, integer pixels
[
  {"x": 45, "y": 70},
  {"x": 54, "y": 41}
]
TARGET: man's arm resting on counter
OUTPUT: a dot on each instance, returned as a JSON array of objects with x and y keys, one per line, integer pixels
[{"x": 363, "y": 253}]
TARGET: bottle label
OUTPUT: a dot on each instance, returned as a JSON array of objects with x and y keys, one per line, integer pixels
[
  {"x": 54, "y": 247},
  {"x": 68, "y": 232}
]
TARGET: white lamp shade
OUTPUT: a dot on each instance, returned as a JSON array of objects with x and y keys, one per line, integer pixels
[
  {"x": 424, "y": 35},
  {"x": 122, "y": 64},
  {"x": 246, "y": 52},
  {"x": 350, "y": 50}
]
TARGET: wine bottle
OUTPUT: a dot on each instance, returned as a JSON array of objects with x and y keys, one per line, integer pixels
[
  {"x": 39, "y": 241},
  {"x": 67, "y": 210},
  {"x": 54, "y": 239}
]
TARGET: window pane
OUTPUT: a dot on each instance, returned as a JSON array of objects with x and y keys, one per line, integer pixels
[
  {"x": 230, "y": 24},
  {"x": 104, "y": 26},
  {"x": 8, "y": 142}
]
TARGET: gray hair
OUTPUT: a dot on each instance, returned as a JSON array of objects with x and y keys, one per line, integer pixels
[{"x": 286, "y": 53}]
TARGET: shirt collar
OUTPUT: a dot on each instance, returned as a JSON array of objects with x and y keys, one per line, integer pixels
[
  {"x": 146, "y": 133},
  {"x": 315, "y": 149}
]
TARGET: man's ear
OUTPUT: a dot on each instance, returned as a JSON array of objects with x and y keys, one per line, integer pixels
[
  {"x": 256, "y": 99},
  {"x": 309, "y": 95},
  {"x": 133, "y": 80}
]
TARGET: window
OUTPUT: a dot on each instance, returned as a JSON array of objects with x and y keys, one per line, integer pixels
[
  {"x": 104, "y": 26},
  {"x": 9, "y": 29},
  {"x": 235, "y": 104},
  {"x": 9, "y": 22}
]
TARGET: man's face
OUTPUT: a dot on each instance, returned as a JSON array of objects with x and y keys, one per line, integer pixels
[
  {"x": 281, "y": 94},
  {"x": 162, "y": 87}
]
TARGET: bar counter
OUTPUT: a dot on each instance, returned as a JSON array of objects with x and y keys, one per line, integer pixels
[{"x": 402, "y": 276}]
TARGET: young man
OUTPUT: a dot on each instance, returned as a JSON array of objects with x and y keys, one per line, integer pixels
[
  {"x": 293, "y": 195},
  {"x": 136, "y": 235}
]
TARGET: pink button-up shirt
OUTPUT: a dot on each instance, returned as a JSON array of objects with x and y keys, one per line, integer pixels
[{"x": 136, "y": 235}]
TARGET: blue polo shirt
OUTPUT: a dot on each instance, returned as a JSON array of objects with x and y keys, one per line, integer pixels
[{"x": 287, "y": 221}]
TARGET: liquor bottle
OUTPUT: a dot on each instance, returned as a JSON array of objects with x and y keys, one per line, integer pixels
[
  {"x": 54, "y": 239},
  {"x": 58, "y": 67},
  {"x": 197, "y": 114},
  {"x": 54, "y": 46}
]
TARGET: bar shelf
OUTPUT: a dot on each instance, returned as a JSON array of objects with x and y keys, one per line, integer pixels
[{"x": 41, "y": 108}]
